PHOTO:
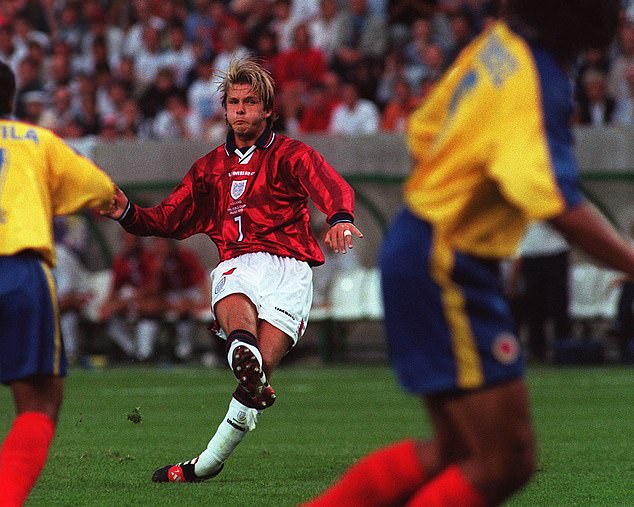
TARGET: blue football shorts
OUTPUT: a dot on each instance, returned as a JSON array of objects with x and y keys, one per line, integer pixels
[
  {"x": 448, "y": 325},
  {"x": 30, "y": 337}
]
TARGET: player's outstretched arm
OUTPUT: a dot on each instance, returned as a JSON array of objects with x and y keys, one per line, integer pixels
[
  {"x": 117, "y": 206},
  {"x": 339, "y": 236}
]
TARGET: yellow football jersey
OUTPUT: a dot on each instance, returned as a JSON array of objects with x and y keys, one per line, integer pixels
[
  {"x": 492, "y": 145},
  {"x": 42, "y": 177}
]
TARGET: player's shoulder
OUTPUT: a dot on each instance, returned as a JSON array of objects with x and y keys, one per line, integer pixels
[
  {"x": 501, "y": 54},
  {"x": 290, "y": 147}
]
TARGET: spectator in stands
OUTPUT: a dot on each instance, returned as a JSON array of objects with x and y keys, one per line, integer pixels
[
  {"x": 301, "y": 62},
  {"x": 35, "y": 11},
  {"x": 36, "y": 52},
  {"x": 67, "y": 26},
  {"x": 396, "y": 113},
  {"x": 282, "y": 24},
  {"x": 183, "y": 292},
  {"x": 266, "y": 51},
  {"x": 198, "y": 23},
  {"x": 10, "y": 53},
  {"x": 394, "y": 70},
  {"x": 624, "y": 114},
  {"x": 154, "y": 98},
  {"x": 595, "y": 107},
  {"x": 204, "y": 100},
  {"x": 229, "y": 47},
  {"x": 289, "y": 108},
  {"x": 129, "y": 303},
  {"x": 60, "y": 112},
  {"x": 421, "y": 36},
  {"x": 618, "y": 83},
  {"x": 178, "y": 55},
  {"x": 401, "y": 13},
  {"x": 25, "y": 33},
  {"x": 140, "y": 17},
  {"x": 463, "y": 29},
  {"x": 125, "y": 72},
  {"x": 224, "y": 20},
  {"x": 28, "y": 80},
  {"x": 59, "y": 70},
  {"x": 433, "y": 64},
  {"x": 130, "y": 121},
  {"x": 34, "y": 103},
  {"x": 591, "y": 60},
  {"x": 88, "y": 116},
  {"x": 177, "y": 120},
  {"x": 171, "y": 12},
  {"x": 303, "y": 11},
  {"x": 256, "y": 21},
  {"x": 360, "y": 36},
  {"x": 323, "y": 28},
  {"x": 97, "y": 57},
  {"x": 544, "y": 264},
  {"x": 332, "y": 84},
  {"x": 110, "y": 100},
  {"x": 317, "y": 112},
  {"x": 98, "y": 27},
  {"x": 149, "y": 60},
  {"x": 354, "y": 116},
  {"x": 108, "y": 130}
]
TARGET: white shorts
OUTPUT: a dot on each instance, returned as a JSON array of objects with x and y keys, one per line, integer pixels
[{"x": 281, "y": 288}]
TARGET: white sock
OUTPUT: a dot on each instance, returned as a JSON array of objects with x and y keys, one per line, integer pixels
[
  {"x": 146, "y": 336},
  {"x": 239, "y": 420}
]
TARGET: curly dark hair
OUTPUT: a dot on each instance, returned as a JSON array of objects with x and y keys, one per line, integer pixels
[
  {"x": 7, "y": 89},
  {"x": 567, "y": 27}
]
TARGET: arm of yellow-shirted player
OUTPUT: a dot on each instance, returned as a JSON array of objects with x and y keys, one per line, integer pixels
[
  {"x": 78, "y": 182},
  {"x": 586, "y": 228}
]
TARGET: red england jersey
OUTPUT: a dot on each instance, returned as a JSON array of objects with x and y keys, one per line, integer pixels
[{"x": 251, "y": 200}]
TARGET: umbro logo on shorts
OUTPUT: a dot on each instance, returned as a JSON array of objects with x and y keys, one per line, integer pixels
[{"x": 286, "y": 312}]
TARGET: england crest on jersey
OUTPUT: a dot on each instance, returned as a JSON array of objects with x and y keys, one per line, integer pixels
[{"x": 237, "y": 188}]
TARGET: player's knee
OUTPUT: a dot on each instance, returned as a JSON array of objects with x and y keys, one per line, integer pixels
[{"x": 513, "y": 464}]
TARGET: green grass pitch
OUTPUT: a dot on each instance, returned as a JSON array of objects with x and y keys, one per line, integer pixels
[{"x": 325, "y": 418}]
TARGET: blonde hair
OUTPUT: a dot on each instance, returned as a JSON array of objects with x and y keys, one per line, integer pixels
[{"x": 248, "y": 70}]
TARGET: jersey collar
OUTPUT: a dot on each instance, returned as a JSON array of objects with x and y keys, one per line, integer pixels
[{"x": 264, "y": 141}]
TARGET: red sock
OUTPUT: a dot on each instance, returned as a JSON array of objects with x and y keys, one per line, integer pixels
[
  {"x": 385, "y": 477},
  {"x": 449, "y": 489},
  {"x": 23, "y": 456}
]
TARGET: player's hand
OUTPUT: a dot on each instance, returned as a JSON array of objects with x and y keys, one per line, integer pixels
[
  {"x": 339, "y": 236},
  {"x": 117, "y": 206}
]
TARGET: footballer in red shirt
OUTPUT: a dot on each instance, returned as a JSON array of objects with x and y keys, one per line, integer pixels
[{"x": 250, "y": 196}]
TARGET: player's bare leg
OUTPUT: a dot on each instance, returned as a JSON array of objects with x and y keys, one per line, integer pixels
[
  {"x": 237, "y": 317},
  {"x": 483, "y": 447},
  {"x": 25, "y": 449}
]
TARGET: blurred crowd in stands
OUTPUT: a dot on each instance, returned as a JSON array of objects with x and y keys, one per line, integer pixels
[{"x": 148, "y": 69}]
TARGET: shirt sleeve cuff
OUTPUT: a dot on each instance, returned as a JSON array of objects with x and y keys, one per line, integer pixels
[
  {"x": 342, "y": 217},
  {"x": 127, "y": 215}
]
